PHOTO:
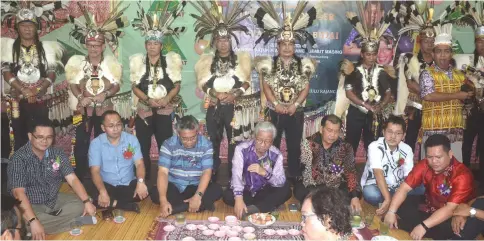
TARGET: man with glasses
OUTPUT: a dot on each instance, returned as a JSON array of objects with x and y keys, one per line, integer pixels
[
  {"x": 113, "y": 156},
  {"x": 184, "y": 172},
  {"x": 258, "y": 178},
  {"x": 93, "y": 79},
  {"x": 11, "y": 218},
  {"x": 35, "y": 175},
  {"x": 389, "y": 162},
  {"x": 328, "y": 161}
]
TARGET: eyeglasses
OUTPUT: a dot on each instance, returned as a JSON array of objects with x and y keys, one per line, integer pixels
[
  {"x": 188, "y": 139},
  {"x": 43, "y": 138},
  {"x": 265, "y": 142},
  {"x": 304, "y": 217},
  {"x": 391, "y": 133},
  {"x": 114, "y": 126}
]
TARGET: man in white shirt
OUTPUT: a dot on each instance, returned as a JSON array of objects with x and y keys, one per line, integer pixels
[{"x": 389, "y": 162}]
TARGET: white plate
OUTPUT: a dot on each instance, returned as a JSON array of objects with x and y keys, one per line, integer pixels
[
  {"x": 189, "y": 239},
  {"x": 249, "y": 229},
  {"x": 269, "y": 223},
  {"x": 191, "y": 227},
  {"x": 169, "y": 228},
  {"x": 294, "y": 232},
  {"x": 208, "y": 232},
  {"x": 201, "y": 227},
  {"x": 269, "y": 232},
  {"x": 281, "y": 232},
  {"x": 383, "y": 238},
  {"x": 249, "y": 236},
  {"x": 214, "y": 226},
  {"x": 213, "y": 219}
]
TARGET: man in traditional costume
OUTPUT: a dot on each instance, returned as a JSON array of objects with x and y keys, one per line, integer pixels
[
  {"x": 155, "y": 80},
  {"x": 285, "y": 77},
  {"x": 440, "y": 90},
  {"x": 224, "y": 76},
  {"x": 28, "y": 64},
  {"x": 93, "y": 78},
  {"x": 365, "y": 88},
  {"x": 474, "y": 69},
  {"x": 410, "y": 65}
]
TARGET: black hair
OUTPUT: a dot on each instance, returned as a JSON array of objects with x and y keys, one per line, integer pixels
[
  {"x": 331, "y": 118},
  {"x": 187, "y": 122},
  {"x": 396, "y": 120},
  {"x": 232, "y": 59},
  {"x": 41, "y": 122},
  {"x": 109, "y": 112},
  {"x": 40, "y": 52},
  {"x": 438, "y": 140},
  {"x": 332, "y": 204},
  {"x": 143, "y": 84}
]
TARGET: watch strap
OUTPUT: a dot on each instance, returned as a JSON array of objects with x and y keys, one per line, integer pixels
[
  {"x": 200, "y": 194},
  {"x": 87, "y": 200},
  {"x": 32, "y": 219}
]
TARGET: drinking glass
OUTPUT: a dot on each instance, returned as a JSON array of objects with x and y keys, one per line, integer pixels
[
  {"x": 384, "y": 229},
  {"x": 355, "y": 219},
  {"x": 76, "y": 228},
  {"x": 180, "y": 219},
  {"x": 369, "y": 216},
  {"x": 118, "y": 215}
]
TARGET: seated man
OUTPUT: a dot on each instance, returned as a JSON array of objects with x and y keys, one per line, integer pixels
[
  {"x": 11, "y": 218},
  {"x": 184, "y": 172},
  {"x": 447, "y": 182},
  {"x": 113, "y": 156},
  {"x": 389, "y": 162},
  {"x": 469, "y": 219},
  {"x": 35, "y": 175},
  {"x": 328, "y": 161},
  {"x": 258, "y": 178}
]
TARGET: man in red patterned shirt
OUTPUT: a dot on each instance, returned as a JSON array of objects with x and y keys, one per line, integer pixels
[{"x": 447, "y": 182}]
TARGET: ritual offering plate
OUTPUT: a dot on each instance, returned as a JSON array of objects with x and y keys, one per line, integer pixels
[
  {"x": 383, "y": 238},
  {"x": 262, "y": 219}
]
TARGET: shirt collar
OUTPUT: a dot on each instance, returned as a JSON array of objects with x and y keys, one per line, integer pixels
[
  {"x": 31, "y": 152},
  {"x": 387, "y": 147},
  {"x": 445, "y": 71},
  {"x": 105, "y": 141}
]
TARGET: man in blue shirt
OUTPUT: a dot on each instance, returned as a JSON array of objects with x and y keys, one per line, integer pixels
[
  {"x": 113, "y": 156},
  {"x": 184, "y": 172}
]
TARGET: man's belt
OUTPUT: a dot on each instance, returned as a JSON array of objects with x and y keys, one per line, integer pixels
[{"x": 360, "y": 108}]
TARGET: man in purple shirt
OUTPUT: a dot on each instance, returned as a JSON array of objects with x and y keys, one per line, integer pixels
[{"x": 258, "y": 178}]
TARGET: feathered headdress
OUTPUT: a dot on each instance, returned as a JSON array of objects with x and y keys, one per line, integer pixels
[
  {"x": 156, "y": 25},
  {"x": 368, "y": 34},
  {"x": 87, "y": 30},
  {"x": 31, "y": 11},
  {"x": 443, "y": 34},
  {"x": 288, "y": 28},
  {"x": 213, "y": 21},
  {"x": 419, "y": 17},
  {"x": 474, "y": 17}
]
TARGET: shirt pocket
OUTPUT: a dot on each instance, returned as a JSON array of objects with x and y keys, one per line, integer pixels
[{"x": 109, "y": 162}]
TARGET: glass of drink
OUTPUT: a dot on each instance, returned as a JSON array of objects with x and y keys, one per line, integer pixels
[
  {"x": 118, "y": 216},
  {"x": 384, "y": 229},
  {"x": 369, "y": 216},
  {"x": 275, "y": 214},
  {"x": 180, "y": 219},
  {"x": 355, "y": 219},
  {"x": 76, "y": 228}
]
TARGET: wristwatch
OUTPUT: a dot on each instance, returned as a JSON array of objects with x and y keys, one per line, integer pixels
[
  {"x": 89, "y": 199},
  {"x": 31, "y": 220},
  {"x": 200, "y": 194},
  {"x": 473, "y": 212},
  {"x": 141, "y": 180}
]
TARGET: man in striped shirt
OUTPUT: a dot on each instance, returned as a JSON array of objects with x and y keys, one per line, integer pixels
[{"x": 184, "y": 172}]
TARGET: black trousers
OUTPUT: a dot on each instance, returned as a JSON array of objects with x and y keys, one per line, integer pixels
[
  {"x": 83, "y": 140},
  {"x": 176, "y": 198},
  {"x": 293, "y": 127},
  {"x": 28, "y": 114},
  {"x": 474, "y": 127},
  {"x": 266, "y": 200},
  {"x": 219, "y": 118},
  {"x": 413, "y": 128},
  {"x": 357, "y": 122},
  {"x": 473, "y": 226},
  {"x": 6, "y": 148},
  {"x": 158, "y": 125},
  {"x": 411, "y": 217},
  {"x": 123, "y": 194}
]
